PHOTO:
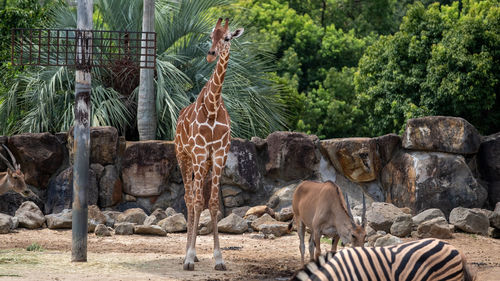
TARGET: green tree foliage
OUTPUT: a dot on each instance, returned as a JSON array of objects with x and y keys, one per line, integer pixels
[
  {"x": 443, "y": 61},
  {"x": 41, "y": 99}
]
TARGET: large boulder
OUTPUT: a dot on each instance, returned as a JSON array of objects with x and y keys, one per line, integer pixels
[
  {"x": 387, "y": 240},
  {"x": 490, "y": 165},
  {"x": 356, "y": 158},
  {"x": 470, "y": 220},
  {"x": 60, "y": 191},
  {"x": 427, "y": 215},
  {"x": 421, "y": 180},
  {"x": 174, "y": 223},
  {"x": 291, "y": 156},
  {"x": 436, "y": 228},
  {"x": 6, "y": 223},
  {"x": 149, "y": 230},
  {"x": 232, "y": 224},
  {"x": 30, "y": 216},
  {"x": 282, "y": 198},
  {"x": 10, "y": 201},
  {"x": 62, "y": 220},
  {"x": 381, "y": 216},
  {"x": 232, "y": 196},
  {"x": 155, "y": 217},
  {"x": 147, "y": 166},
  {"x": 495, "y": 216},
  {"x": 205, "y": 224},
  {"x": 387, "y": 145},
  {"x": 110, "y": 187},
  {"x": 277, "y": 229},
  {"x": 124, "y": 228},
  {"x": 104, "y": 145},
  {"x": 134, "y": 215},
  {"x": 402, "y": 226},
  {"x": 441, "y": 134},
  {"x": 241, "y": 168},
  {"x": 264, "y": 219},
  {"x": 40, "y": 156}
]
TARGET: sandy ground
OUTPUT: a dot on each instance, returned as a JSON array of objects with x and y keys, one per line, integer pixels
[{"x": 160, "y": 258}]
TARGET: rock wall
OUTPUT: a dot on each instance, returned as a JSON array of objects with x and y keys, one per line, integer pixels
[{"x": 439, "y": 162}]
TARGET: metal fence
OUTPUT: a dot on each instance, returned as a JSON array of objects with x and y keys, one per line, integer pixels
[{"x": 58, "y": 47}]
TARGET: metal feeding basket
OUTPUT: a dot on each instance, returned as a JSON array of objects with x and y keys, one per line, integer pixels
[{"x": 58, "y": 47}]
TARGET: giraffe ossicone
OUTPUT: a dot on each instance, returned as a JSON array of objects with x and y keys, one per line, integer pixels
[{"x": 202, "y": 141}]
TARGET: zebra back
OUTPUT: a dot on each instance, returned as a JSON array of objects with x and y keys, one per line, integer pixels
[{"x": 427, "y": 259}]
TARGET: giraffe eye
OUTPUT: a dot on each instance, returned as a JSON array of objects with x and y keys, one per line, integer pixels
[{"x": 226, "y": 39}]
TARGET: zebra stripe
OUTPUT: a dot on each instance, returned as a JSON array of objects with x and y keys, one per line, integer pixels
[{"x": 423, "y": 260}]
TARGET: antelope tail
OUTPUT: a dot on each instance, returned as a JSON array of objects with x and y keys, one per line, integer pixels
[{"x": 290, "y": 225}]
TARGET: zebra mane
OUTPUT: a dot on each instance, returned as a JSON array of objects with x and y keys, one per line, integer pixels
[{"x": 312, "y": 268}]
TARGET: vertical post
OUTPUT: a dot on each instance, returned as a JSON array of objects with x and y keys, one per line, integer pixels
[
  {"x": 146, "y": 104},
  {"x": 81, "y": 132}
]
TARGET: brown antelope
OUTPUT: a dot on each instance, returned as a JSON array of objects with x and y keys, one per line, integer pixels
[
  {"x": 321, "y": 207},
  {"x": 13, "y": 179}
]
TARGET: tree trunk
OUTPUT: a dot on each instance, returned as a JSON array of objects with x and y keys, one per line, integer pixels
[{"x": 146, "y": 105}]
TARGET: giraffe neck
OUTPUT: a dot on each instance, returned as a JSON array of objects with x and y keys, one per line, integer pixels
[{"x": 212, "y": 97}]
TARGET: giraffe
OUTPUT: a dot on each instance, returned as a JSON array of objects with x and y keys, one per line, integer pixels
[{"x": 202, "y": 141}]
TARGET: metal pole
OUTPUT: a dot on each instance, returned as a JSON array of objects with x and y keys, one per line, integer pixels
[
  {"x": 146, "y": 110},
  {"x": 81, "y": 132}
]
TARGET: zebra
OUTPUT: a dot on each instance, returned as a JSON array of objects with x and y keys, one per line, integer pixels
[{"x": 426, "y": 259}]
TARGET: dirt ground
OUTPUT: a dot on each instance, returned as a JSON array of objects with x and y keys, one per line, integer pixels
[{"x": 160, "y": 258}]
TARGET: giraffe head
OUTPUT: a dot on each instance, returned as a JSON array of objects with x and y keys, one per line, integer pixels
[{"x": 221, "y": 39}]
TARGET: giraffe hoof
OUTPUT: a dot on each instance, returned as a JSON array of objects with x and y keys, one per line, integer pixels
[
  {"x": 196, "y": 259},
  {"x": 189, "y": 266},
  {"x": 221, "y": 267}
]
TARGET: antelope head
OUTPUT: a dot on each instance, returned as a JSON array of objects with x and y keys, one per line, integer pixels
[
  {"x": 14, "y": 178},
  {"x": 358, "y": 232}
]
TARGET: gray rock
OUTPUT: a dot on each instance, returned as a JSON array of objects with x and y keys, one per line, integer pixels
[
  {"x": 174, "y": 223},
  {"x": 124, "y": 228},
  {"x": 59, "y": 221},
  {"x": 381, "y": 216},
  {"x": 428, "y": 215},
  {"x": 172, "y": 197},
  {"x": 357, "y": 158},
  {"x": 134, "y": 215},
  {"x": 424, "y": 180},
  {"x": 285, "y": 214},
  {"x": 29, "y": 215},
  {"x": 264, "y": 219},
  {"x": 240, "y": 211},
  {"x": 291, "y": 156},
  {"x": 147, "y": 167},
  {"x": 436, "y": 228},
  {"x": 441, "y": 134},
  {"x": 149, "y": 230},
  {"x": 111, "y": 217},
  {"x": 494, "y": 232},
  {"x": 170, "y": 212},
  {"x": 495, "y": 216},
  {"x": 387, "y": 240},
  {"x": 155, "y": 217},
  {"x": 402, "y": 226},
  {"x": 232, "y": 224},
  {"x": 102, "y": 230},
  {"x": 98, "y": 169},
  {"x": 241, "y": 168},
  {"x": 5, "y": 223},
  {"x": 205, "y": 225},
  {"x": 490, "y": 166},
  {"x": 277, "y": 229},
  {"x": 282, "y": 198},
  {"x": 470, "y": 220},
  {"x": 110, "y": 187}
]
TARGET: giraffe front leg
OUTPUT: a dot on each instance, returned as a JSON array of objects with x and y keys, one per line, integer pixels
[
  {"x": 214, "y": 208},
  {"x": 200, "y": 171}
]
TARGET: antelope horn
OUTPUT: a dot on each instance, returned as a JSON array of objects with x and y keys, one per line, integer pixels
[
  {"x": 363, "y": 216},
  {"x": 218, "y": 22},
  {"x": 348, "y": 206},
  {"x": 9, "y": 165}
]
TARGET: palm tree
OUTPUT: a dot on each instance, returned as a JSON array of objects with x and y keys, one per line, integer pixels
[{"x": 41, "y": 99}]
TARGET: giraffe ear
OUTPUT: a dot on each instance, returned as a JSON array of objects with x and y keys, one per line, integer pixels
[{"x": 237, "y": 33}]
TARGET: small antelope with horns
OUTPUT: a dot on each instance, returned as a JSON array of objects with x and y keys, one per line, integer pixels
[
  {"x": 321, "y": 207},
  {"x": 13, "y": 179}
]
